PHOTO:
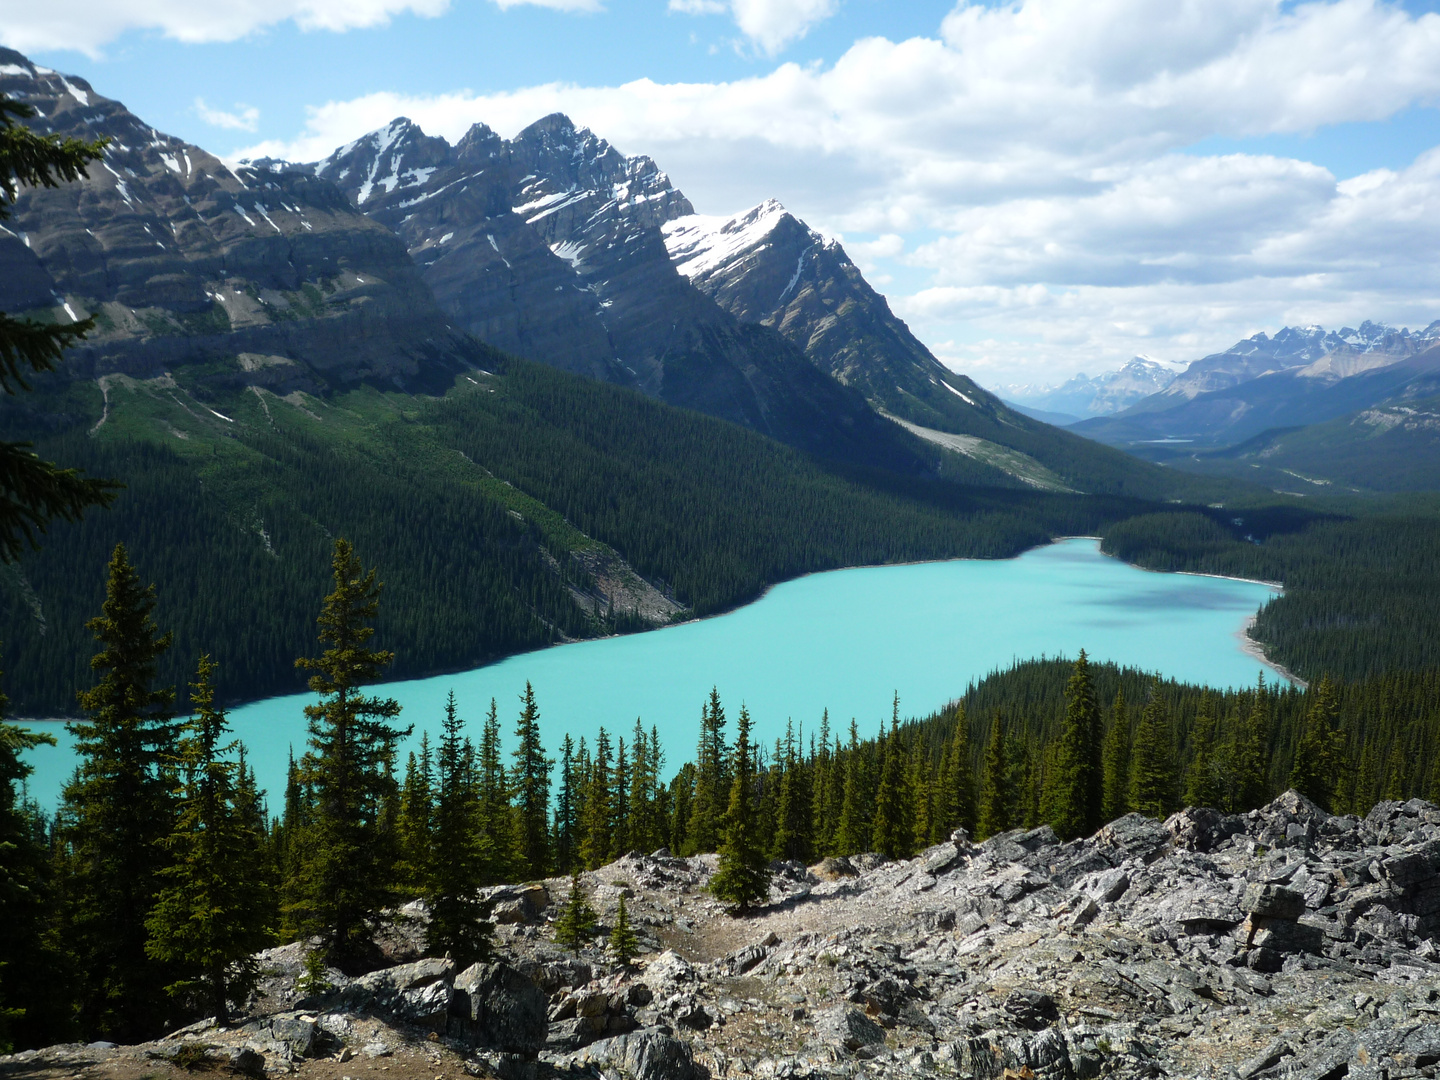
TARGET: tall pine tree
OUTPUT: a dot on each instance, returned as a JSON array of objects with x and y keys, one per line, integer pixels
[
  {"x": 996, "y": 795},
  {"x": 345, "y": 877},
  {"x": 1078, "y": 784},
  {"x": 216, "y": 908},
  {"x": 1314, "y": 770},
  {"x": 1152, "y": 761},
  {"x": 458, "y": 916},
  {"x": 743, "y": 877},
  {"x": 531, "y": 782},
  {"x": 707, "y": 807},
  {"x": 1116, "y": 752},
  {"x": 117, "y": 809},
  {"x": 33, "y": 976}
]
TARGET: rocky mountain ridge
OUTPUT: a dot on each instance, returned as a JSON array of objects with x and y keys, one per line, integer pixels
[
  {"x": 1298, "y": 377},
  {"x": 1281, "y": 943},
  {"x": 549, "y": 246},
  {"x": 269, "y": 280}
]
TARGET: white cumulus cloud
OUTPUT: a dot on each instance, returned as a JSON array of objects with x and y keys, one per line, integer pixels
[
  {"x": 769, "y": 24},
  {"x": 89, "y": 25},
  {"x": 244, "y": 118}
]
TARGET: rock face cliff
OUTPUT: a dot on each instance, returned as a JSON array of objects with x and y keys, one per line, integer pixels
[
  {"x": 767, "y": 267},
  {"x": 551, "y": 246},
  {"x": 265, "y": 278},
  {"x": 1280, "y": 943}
]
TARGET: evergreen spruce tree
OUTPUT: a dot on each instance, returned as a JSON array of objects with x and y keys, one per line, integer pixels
[
  {"x": 743, "y": 877},
  {"x": 576, "y": 924},
  {"x": 956, "y": 801},
  {"x": 707, "y": 806},
  {"x": 345, "y": 880},
  {"x": 920, "y": 789},
  {"x": 531, "y": 781},
  {"x": 417, "y": 808},
  {"x": 291, "y": 839},
  {"x": 1152, "y": 762},
  {"x": 852, "y": 830},
  {"x": 459, "y": 918},
  {"x": 118, "y": 807},
  {"x": 792, "y": 812},
  {"x": 620, "y": 801},
  {"x": 495, "y": 822},
  {"x": 1246, "y": 755},
  {"x": 682, "y": 792},
  {"x": 995, "y": 793},
  {"x": 216, "y": 909},
  {"x": 624, "y": 945},
  {"x": 1078, "y": 781},
  {"x": 596, "y": 824},
  {"x": 1202, "y": 778},
  {"x": 1116, "y": 752},
  {"x": 890, "y": 833},
  {"x": 566, "y": 822},
  {"x": 824, "y": 791},
  {"x": 1313, "y": 773},
  {"x": 31, "y": 970}
]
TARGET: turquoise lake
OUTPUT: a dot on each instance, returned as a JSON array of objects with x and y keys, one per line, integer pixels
[{"x": 846, "y": 640}]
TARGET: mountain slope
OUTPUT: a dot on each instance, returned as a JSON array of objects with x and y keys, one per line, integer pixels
[
  {"x": 1391, "y": 447},
  {"x": 767, "y": 267},
  {"x": 549, "y": 245},
  {"x": 271, "y": 280}
]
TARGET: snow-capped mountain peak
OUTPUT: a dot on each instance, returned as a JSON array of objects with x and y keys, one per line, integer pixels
[{"x": 700, "y": 244}]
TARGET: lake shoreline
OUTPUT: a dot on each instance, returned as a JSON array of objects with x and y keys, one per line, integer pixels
[{"x": 1248, "y": 644}]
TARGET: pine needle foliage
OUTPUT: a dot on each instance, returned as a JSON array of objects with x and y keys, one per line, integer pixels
[
  {"x": 25, "y": 892},
  {"x": 216, "y": 907},
  {"x": 707, "y": 807},
  {"x": 1313, "y": 772},
  {"x": 1078, "y": 784},
  {"x": 995, "y": 785},
  {"x": 345, "y": 879},
  {"x": 624, "y": 945},
  {"x": 455, "y": 870},
  {"x": 117, "y": 808},
  {"x": 1116, "y": 755},
  {"x": 743, "y": 877},
  {"x": 531, "y": 781},
  {"x": 577, "y": 922},
  {"x": 1152, "y": 762}
]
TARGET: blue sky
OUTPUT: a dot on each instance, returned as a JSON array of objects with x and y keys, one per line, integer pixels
[{"x": 1039, "y": 187}]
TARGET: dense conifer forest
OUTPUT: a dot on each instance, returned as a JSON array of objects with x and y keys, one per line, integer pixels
[{"x": 1359, "y": 581}]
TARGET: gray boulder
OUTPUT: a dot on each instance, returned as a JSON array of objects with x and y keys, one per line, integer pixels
[
  {"x": 496, "y": 1007},
  {"x": 848, "y": 1027},
  {"x": 647, "y": 1054}
]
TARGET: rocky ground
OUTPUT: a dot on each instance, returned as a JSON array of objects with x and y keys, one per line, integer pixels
[{"x": 1282, "y": 943}]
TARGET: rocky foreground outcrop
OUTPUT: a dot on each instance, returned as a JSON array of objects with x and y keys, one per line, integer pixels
[{"x": 1281, "y": 943}]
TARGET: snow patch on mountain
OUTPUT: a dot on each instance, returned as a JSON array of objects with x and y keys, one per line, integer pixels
[{"x": 700, "y": 244}]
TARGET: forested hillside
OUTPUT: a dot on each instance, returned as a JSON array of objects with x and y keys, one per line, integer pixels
[
  {"x": 494, "y": 513},
  {"x": 1359, "y": 586}
]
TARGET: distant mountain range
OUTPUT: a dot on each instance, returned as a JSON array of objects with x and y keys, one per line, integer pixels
[
  {"x": 1084, "y": 396},
  {"x": 1256, "y": 403}
]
